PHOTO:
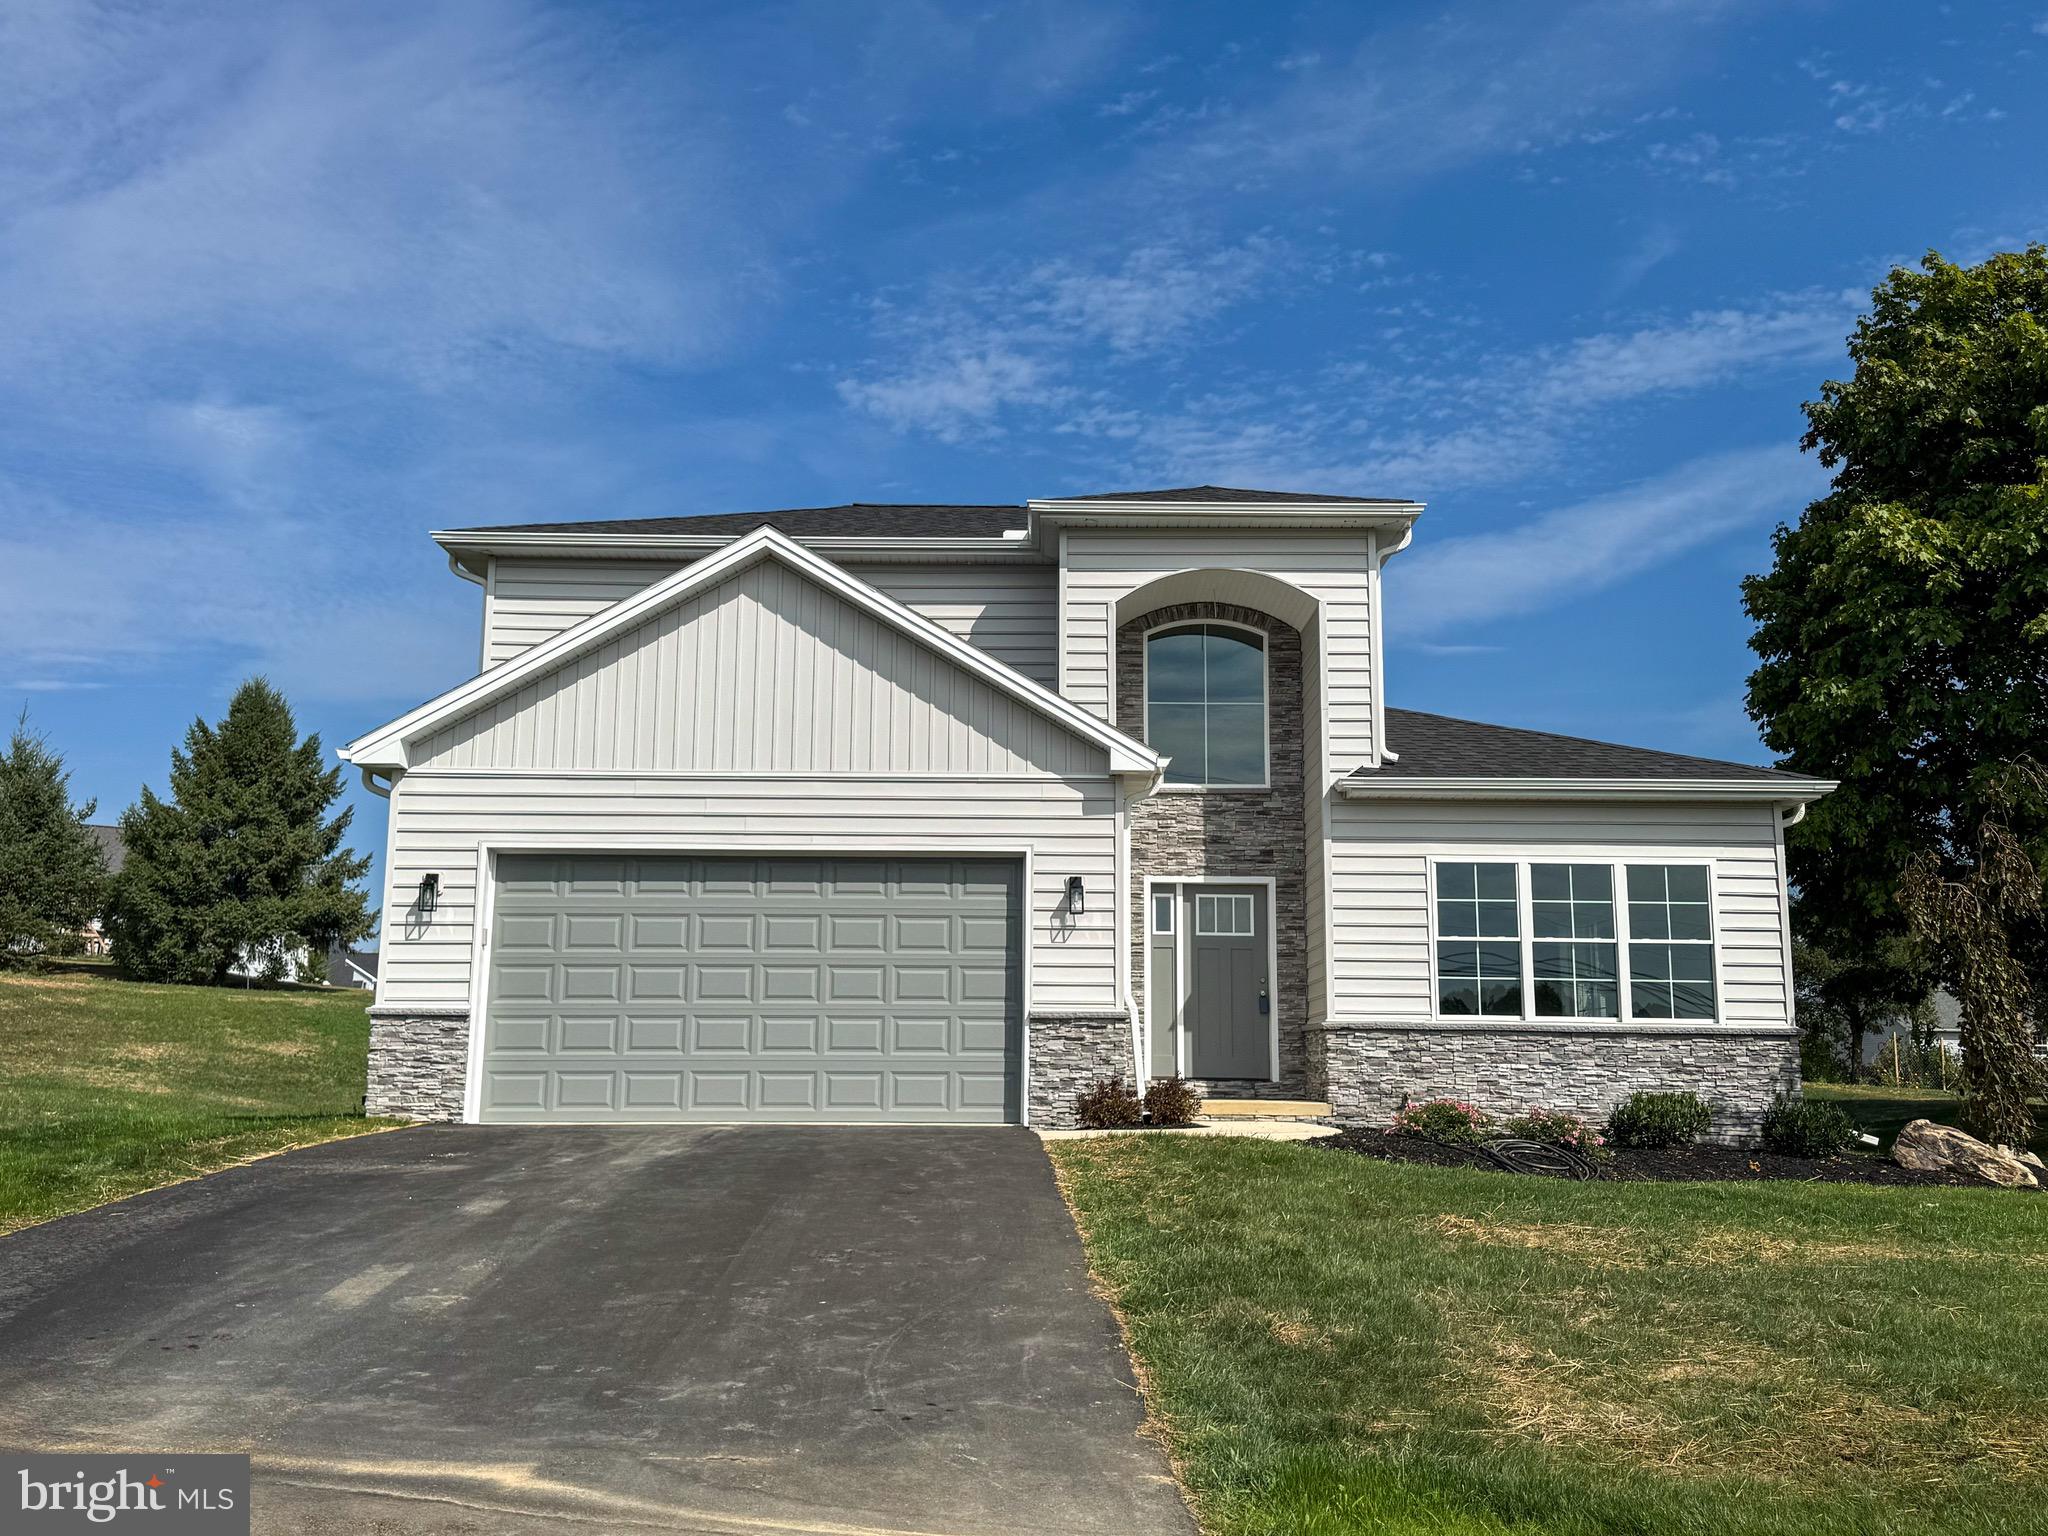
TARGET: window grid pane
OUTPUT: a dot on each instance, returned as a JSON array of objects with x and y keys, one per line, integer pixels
[
  {"x": 1671, "y": 951},
  {"x": 1205, "y": 704}
]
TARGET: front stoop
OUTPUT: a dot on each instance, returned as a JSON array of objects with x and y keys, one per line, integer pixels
[
  {"x": 1257, "y": 1129},
  {"x": 1265, "y": 1109}
]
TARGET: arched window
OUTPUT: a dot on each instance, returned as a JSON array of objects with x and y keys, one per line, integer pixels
[{"x": 1205, "y": 703}]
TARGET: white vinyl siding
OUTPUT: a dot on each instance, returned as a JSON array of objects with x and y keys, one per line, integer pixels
[
  {"x": 441, "y": 818},
  {"x": 1380, "y": 932},
  {"x": 765, "y": 672},
  {"x": 1007, "y": 611},
  {"x": 1335, "y": 569}
]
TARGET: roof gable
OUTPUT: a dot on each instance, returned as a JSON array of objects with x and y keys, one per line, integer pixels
[{"x": 628, "y": 626}]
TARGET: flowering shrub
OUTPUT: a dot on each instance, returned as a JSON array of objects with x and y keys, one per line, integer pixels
[
  {"x": 1448, "y": 1120},
  {"x": 1557, "y": 1128}
]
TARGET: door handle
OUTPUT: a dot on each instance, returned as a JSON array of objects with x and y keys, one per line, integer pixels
[{"x": 1265, "y": 1002}]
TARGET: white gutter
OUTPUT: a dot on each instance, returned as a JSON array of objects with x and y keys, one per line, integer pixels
[{"x": 1448, "y": 787}]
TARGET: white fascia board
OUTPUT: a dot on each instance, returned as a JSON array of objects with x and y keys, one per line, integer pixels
[
  {"x": 463, "y": 545},
  {"x": 388, "y": 746},
  {"x": 1777, "y": 791},
  {"x": 1235, "y": 515}
]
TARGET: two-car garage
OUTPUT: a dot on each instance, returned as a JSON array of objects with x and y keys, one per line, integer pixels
[{"x": 678, "y": 987}]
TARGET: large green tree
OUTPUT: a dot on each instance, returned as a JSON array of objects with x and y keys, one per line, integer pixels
[
  {"x": 243, "y": 859},
  {"x": 52, "y": 872},
  {"x": 1903, "y": 632}
]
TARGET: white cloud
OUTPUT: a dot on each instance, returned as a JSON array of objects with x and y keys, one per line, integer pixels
[
  {"x": 1431, "y": 420},
  {"x": 951, "y": 393},
  {"x": 963, "y": 354},
  {"x": 1565, "y": 555}
]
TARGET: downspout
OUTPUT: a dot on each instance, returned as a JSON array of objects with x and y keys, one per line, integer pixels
[
  {"x": 1120, "y": 920},
  {"x": 1379, "y": 643}
]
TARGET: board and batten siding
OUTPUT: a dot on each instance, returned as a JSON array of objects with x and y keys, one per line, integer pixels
[
  {"x": 1008, "y": 611},
  {"x": 766, "y": 671},
  {"x": 1380, "y": 920},
  {"x": 1101, "y": 567},
  {"x": 442, "y": 819}
]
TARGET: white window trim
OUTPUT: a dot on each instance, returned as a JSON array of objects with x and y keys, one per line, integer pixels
[
  {"x": 1526, "y": 928},
  {"x": 1265, "y": 706}
]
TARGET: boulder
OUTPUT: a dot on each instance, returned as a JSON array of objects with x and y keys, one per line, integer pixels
[{"x": 1944, "y": 1149}]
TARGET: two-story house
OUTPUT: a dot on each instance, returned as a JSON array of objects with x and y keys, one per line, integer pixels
[{"x": 941, "y": 813}]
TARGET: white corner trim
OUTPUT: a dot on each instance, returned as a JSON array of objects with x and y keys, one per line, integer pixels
[
  {"x": 1447, "y": 787},
  {"x": 389, "y": 745}
]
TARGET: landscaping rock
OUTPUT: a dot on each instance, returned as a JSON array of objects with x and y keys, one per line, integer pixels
[{"x": 1944, "y": 1149}]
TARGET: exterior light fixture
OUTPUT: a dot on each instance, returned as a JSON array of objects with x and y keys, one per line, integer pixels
[
  {"x": 1077, "y": 903},
  {"x": 430, "y": 894}
]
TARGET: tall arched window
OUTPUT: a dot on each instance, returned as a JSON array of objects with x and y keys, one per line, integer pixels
[{"x": 1205, "y": 703}]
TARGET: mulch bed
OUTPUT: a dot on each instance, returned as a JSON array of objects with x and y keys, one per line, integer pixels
[{"x": 1676, "y": 1164}]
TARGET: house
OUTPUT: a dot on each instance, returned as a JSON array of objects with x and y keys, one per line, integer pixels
[
  {"x": 940, "y": 813},
  {"x": 113, "y": 854},
  {"x": 348, "y": 966}
]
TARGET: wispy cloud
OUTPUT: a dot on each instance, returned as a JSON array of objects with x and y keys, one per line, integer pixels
[
  {"x": 964, "y": 353},
  {"x": 1428, "y": 421},
  {"x": 1567, "y": 554}
]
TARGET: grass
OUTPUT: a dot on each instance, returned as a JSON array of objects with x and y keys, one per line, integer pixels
[
  {"x": 110, "y": 1086},
  {"x": 1883, "y": 1109},
  {"x": 1336, "y": 1344}
]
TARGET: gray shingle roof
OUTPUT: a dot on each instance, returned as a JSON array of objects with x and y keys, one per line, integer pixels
[
  {"x": 1229, "y": 493},
  {"x": 1438, "y": 746},
  {"x": 111, "y": 847},
  {"x": 857, "y": 519},
  {"x": 907, "y": 520}
]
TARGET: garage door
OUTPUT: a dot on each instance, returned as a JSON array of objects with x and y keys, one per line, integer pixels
[{"x": 763, "y": 989}]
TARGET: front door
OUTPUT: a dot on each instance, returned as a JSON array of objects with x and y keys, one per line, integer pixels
[{"x": 1229, "y": 993}]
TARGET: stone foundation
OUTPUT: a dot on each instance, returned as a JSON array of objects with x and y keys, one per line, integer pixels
[
  {"x": 418, "y": 1060},
  {"x": 1367, "y": 1072},
  {"x": 1068, "y": 1052}
]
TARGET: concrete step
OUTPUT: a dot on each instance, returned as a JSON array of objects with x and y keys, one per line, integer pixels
[{"x": 1265, "y": 1109}]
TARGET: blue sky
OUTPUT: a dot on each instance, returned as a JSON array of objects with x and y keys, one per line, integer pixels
[{"x": 283, "y": 287}]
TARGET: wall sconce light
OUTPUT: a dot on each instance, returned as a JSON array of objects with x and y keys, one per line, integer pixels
[
  {"x": 430, "y": 894},
  {"x": 1077, "y": 903}
]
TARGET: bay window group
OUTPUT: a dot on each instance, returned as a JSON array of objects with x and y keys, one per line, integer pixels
[{"x": 1573, "y": 940}]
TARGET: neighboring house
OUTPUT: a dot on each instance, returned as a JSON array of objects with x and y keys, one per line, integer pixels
[
  {"x": 115, "y": 852},
  {"x": 941, "y": 813},
  {"x": 349, "y": 967}
]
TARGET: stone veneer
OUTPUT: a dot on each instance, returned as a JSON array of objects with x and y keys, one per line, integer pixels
[
  {"x": 419, "y": 1059},
  {"x": 1231, "y": 834},
  {"x": 1068, "y": 1052},
  {"x": 1368, "y": 1071}
]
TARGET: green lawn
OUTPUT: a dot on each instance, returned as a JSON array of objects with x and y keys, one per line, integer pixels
[
  {"x": 110, "y": 1086},
  {"x": 1882, "y": 1109},
  {"x": 1336, "y": 1344}
]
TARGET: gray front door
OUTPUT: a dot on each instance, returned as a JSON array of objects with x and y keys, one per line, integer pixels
[
  {"x": 1229, "y": 1001},
  {"x": 671, "y": 987}
]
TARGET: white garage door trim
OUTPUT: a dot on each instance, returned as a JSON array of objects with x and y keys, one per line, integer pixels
[{"x": 853, "y": 847}]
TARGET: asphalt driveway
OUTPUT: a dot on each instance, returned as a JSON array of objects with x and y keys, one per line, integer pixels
[{"x": 857, "y": 1332}]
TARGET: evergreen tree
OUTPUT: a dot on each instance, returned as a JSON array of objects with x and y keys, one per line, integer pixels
[
  {"x": 243, "y": 858},
  {"x": 52, "y": 873}
]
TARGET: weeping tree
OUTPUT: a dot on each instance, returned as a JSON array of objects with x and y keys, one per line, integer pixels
[
  {"x": 1903, "y": 642},
  {"x": 242, "y": 862},
  {"x": 1986, "y": 919}
]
